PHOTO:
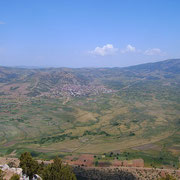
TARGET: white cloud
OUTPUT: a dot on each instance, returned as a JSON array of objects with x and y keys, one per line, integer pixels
[
  {"x": 153, "y": 51},
  {"x": 129, "y": 48},
  {"x": 107, "y": 49},
  {"x": 1, "y": 22}
]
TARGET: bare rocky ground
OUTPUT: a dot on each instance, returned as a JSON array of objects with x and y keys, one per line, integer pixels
[{"x": 14, "y": 162}]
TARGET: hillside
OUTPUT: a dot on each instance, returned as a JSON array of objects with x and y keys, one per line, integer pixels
[{"x": 92, "y": 110}]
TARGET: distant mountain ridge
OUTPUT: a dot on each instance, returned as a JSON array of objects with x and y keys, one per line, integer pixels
[
  {"x": 167, "y": 65},
  {"x": 161, "y": 63},
  {"x": 82, "y": 81}
]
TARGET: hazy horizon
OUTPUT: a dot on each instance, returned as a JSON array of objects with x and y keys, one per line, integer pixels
[{"x": 47, "y": 67}]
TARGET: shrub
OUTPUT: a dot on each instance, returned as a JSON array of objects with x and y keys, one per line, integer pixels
[
  {"x": 1, "y": 174},
  {"x": 15, "y": 177},
  {"x": 131, "y": 134},
  {"x": 11, "y": 164},
  {"x": 168, "y": 177},
  {"x": 96, "y": 163}
]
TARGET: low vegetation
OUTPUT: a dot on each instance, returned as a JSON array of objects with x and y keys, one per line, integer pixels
[
  {"x": 15, "y": 177},
  {"x": 72, "y": 111},
  {"x": 1, "y": 174},
  {"x": 168, "y": 177}
]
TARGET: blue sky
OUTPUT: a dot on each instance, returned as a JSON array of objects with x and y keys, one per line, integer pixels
[{"x": 88, "y": 33}]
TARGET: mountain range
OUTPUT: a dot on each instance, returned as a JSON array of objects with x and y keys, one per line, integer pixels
[{"x": 91, "y": 110}]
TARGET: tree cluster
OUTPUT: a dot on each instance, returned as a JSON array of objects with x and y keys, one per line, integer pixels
[{"x": 53, "y": 171}]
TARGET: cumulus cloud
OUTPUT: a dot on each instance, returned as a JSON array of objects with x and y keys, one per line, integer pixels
[
  {"x": 153, "y": 51},
  {"x": 1, "y": 22},
  {"x": 129, "y": 48},
  {"x": 107, "y": 49}
]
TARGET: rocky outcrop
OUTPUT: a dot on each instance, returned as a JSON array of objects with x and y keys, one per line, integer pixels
[{"x": 10, "y": 171}]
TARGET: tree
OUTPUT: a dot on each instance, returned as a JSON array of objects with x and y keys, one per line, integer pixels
[
  {"x": 58, "y": 171},
  {"x": 28, "y": 164},
  {"x": 15, "y": 177}
]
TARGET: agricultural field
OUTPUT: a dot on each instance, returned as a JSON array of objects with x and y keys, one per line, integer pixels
[{"x": 133, "y": 112}]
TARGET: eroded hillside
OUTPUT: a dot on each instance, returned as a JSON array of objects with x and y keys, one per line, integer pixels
[{"x": 89, "y": 110}]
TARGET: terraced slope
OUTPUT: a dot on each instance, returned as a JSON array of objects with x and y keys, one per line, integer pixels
[{"x": 89, "y": 110}]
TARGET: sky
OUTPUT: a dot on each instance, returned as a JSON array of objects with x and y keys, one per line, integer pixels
[{"x": 88, "y": 33}]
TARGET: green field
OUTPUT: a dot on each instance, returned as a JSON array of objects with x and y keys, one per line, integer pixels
[{"x": 141, "y": 114}]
